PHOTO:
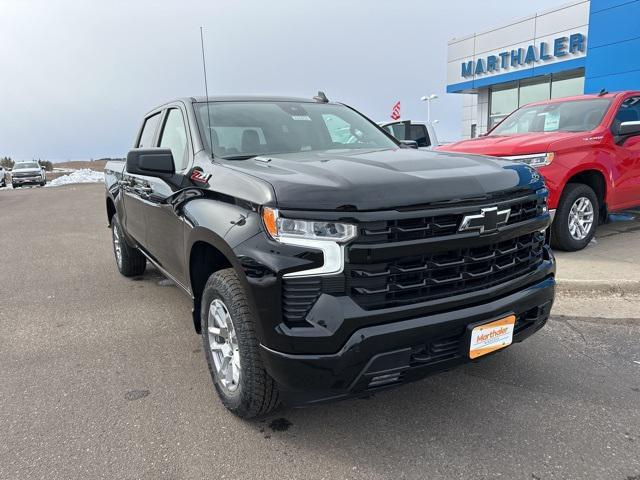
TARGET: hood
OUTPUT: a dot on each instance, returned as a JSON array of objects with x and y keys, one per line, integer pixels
[
  {"x": 502, "y": 145},
  {"x": 382, "y": 179}
]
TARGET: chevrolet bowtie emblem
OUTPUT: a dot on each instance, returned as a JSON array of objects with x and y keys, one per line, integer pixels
[{"x": 488, "y": 220}]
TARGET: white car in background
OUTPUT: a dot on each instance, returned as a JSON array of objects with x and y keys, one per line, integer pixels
[
  {"x": 3, "y": 177},
  {"x": 423, "y": 133},
  {"x": 27, "y": 173}
]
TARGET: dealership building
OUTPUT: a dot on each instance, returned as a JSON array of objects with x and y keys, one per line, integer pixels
[{"x": 580, "y": 47}]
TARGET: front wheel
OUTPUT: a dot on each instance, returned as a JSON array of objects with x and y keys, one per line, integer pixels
[
  {"x": 576, "y": 218},
  {"x": 232, "y": 350}
]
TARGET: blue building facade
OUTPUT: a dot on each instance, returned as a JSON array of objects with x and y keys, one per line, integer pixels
[
  {"x": 581, "y": 47},
  {"x": 613, "y": 55}
]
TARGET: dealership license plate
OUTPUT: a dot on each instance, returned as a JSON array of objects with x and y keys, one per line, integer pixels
[{"x": 491, "y": 336}]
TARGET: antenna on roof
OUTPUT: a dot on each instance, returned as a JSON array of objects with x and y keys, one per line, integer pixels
[
  {"x": 321, "y": 97},
  {"x": 206, "y": 92},
  {"x": 603, "y": 92}
]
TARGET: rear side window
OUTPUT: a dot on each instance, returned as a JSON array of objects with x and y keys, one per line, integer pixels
[
  {"x": 420, "y": 135},
  {"x": 148, "y": 131}
]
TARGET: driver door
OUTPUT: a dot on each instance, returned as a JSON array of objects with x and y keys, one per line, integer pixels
[
  {"x": 165, "y": 227},
  {"x": 627, "y": 190},
  {"x": 134, "y": 187}
]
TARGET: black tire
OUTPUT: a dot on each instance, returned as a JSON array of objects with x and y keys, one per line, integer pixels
[
  {"x": 256, "y": 393},
  {"x": 561, "y": 237},
  {"x": 42, "y": 184},
  {"x": 132, "y": 262}
]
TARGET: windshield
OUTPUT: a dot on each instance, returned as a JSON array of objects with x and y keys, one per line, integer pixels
[
  {"x": 245, "y": 129},
  {"x": 571, "y": 116},
  {"x": 26, "y": 165}
]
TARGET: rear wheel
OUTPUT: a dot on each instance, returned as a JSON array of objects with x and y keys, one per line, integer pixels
[
  {"x": 130, "y": 261},
  {"x": 232, "y": 350},
  {"x": 576, "y": 218}
]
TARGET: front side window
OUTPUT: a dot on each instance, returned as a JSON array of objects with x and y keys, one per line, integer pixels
[
  {"x": 243, "y": 129},
  {"x": 174, "y": 137},
  {"x": 149, "y": 131},
  {"x": 420, "y": 135},
  {"x": 629, "y": 111},
  {"x": 571, "y": 116}
]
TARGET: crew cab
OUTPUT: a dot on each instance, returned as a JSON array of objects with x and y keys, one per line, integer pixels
[
  {"x": 27, "y": 173},
  {"x": 323, "y": 265},
  {"x": 587, "y": 148}
]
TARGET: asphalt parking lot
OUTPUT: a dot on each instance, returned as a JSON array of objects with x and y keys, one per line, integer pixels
[{"x": 103, "y": 377}]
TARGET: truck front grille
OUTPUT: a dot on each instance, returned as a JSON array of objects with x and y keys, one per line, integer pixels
[
  {"x": 400, "y": 230},
  {"x": 413, "y": 279}
]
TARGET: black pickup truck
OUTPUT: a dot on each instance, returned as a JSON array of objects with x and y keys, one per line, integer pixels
[{"x": 325, "y": 259}]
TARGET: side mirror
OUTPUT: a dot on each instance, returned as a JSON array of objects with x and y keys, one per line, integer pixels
[
  {"x": 153, "y": 162},
  {"x": 629, "y": 128},
  {"x": 408, "y": 144}
]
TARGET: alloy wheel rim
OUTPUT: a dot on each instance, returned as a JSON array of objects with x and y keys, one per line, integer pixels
[
  {"x": 223, "y": 343},
  {"x": 581, "y": 218},
  {"x": 117, "y": 246}
]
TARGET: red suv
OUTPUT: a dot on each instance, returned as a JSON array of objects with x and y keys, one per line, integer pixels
[{"x": 588, "y": 150}]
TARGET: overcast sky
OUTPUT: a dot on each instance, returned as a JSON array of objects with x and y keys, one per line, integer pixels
[{"x": 76, "y": 76}]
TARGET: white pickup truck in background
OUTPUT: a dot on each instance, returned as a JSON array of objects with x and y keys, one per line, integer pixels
[{"x": 423, "y": 133}]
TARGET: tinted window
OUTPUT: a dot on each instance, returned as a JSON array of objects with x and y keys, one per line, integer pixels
[
  {"x": 174, "y": 136},
  {"x": 254, "y": 128},
  {"x": 629, "y": 111},
  {"x": 420, "y": 135},
  {"x": 148, "y": 131}
]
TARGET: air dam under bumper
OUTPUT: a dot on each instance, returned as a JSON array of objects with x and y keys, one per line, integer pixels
[{"x": 386, "y": 355}]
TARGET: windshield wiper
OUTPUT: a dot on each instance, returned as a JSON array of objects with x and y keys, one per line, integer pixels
[{"x": 239, "y": 157}]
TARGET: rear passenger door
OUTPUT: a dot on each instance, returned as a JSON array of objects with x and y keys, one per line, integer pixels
[
  {"x": 134, "y": 187},
  {"x": 165, "y": 228}
]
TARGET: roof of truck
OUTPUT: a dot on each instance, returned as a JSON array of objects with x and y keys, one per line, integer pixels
[
  {"x": 236, "y": 98},
  {"x": 583, "y": 97},
  {"x": 252, "y": 98}
]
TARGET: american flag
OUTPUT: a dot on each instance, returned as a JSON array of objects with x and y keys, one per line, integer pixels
[{"x": 395, "y": 111}]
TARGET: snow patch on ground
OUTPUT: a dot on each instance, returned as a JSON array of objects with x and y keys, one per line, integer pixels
[{"x": 83, "y": 175}]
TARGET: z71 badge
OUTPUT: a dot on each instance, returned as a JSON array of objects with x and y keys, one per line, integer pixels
[{"x": 198, "y": 176}]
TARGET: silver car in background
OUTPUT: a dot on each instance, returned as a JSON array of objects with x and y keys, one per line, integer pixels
[{"x": 28, "y": 173}]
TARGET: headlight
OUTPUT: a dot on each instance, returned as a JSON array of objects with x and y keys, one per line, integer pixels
[
  {"x": 282, "y": 228},
  {"x": 534, "y": 160}
]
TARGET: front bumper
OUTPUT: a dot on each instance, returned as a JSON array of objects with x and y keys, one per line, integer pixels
[
  {"x": 26, "y": 180},
  {"x": 386, "y": 355}
]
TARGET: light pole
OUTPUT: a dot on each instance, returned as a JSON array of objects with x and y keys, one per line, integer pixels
[{"x": 428, "y": 98}]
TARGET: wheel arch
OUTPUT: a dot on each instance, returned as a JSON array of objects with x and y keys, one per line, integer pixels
[
  {"x": 111, "y": 210},
  {"x": 594, "y": 179},
  {"x": 208, "y": 253}
]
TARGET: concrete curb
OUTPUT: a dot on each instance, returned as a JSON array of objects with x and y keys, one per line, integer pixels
[{"x": 620, "y": 287}]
